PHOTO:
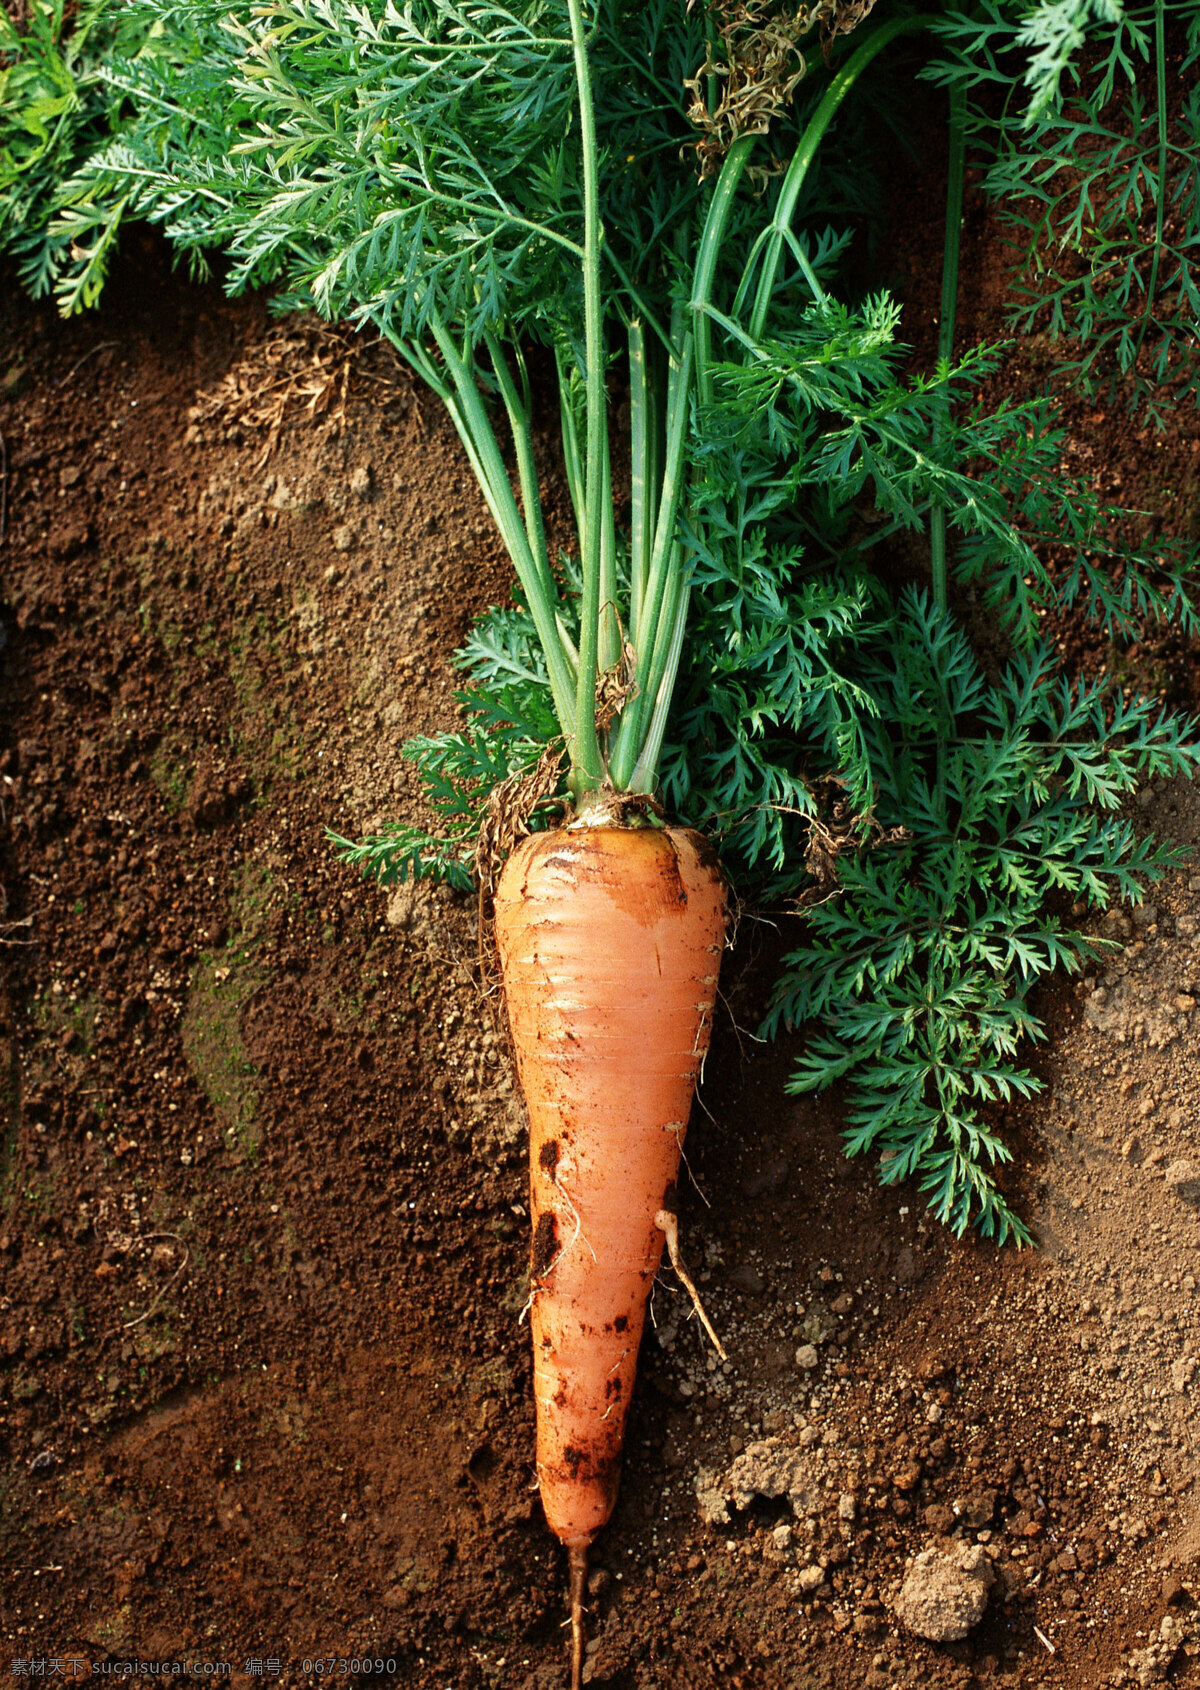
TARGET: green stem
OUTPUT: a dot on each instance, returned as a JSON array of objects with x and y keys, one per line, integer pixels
[
  {"x": 1160, "y": 210},
  {"x": 587, "y": 771},
  {"x": 645, "y": 774},
  {"x": 802, "y": 158},
  {"x": 477, "y": 434},
  {"x": 950, "y": 267},
  {"x": 706, "y": 259},
  {"x": 664, "y": 566},
  {"x": 658, "y": 635},
  {"x": 519, "y": 425},
  {"x": 637, "y": 300},
  {"x": 643, "y": 442},
  {"x": 572, "y": 460},
  {"x": 608, "y": 649}
]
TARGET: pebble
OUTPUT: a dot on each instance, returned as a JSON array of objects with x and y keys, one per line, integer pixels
[
  {"x": 807, "y": 1357},
  {"x": 1183, "y": 1178},
  {"x": 945, "y": 1592}
]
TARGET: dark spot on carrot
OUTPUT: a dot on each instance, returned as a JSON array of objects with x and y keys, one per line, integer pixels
[
  {"x": 573, "y": 1458},
  {"x": 621, "y": 1323},
  {"x": 706, "y": 851},
  {"x": 612, "y": 1387},
  {"x": 548, "y": 1156},
  {"x": 545, "y": 1242},
  {"x": 676, "y": 890}
]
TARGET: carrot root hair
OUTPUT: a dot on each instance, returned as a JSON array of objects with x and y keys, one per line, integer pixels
[
  {"x": 578, "y": 1555},
  {"x": 669, "y": 1226}
]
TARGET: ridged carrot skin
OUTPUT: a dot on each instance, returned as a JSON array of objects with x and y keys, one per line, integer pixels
[{"x": 610, "y": 940}]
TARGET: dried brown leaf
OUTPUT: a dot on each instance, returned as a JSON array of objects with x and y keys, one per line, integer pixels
[{"x": 757, "y": 61}]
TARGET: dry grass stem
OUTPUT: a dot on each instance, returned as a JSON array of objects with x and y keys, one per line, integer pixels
[
  {"x": 836, "y": 830},
  {"x": 307, "y": 364}
]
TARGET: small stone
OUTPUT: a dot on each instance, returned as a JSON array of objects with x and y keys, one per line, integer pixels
[
  {"x": 1182, "y": 1372},
  {"x": 940, "y": 1518},
  {"x": 976, "y": 1510},
  {"x": 807, "y": 1357},
  {"x": 847, "y": 1505},
  {"x": 360, "y": 481},
  {"x": 781, "y": 1537},
  {"x": 945, "y": 1592},
  {"x": 811, "y": 1579},
  {"x": 344, "y": 538},
  {"x": 1183, "y": 1178}
]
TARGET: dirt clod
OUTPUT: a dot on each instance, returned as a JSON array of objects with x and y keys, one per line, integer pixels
[{"x": 945, "y": 1593}]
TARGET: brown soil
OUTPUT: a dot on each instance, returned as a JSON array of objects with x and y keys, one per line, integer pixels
[{"x": 264, "y": 1391}]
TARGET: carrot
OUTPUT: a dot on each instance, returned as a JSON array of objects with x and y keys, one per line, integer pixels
[{"x": 609, "y": 939}]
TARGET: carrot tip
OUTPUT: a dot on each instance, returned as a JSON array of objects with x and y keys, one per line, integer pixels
[{"x": 578, "y": 1554}]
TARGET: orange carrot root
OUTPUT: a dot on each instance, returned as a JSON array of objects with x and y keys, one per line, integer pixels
[{"x": 610, "y": 940}]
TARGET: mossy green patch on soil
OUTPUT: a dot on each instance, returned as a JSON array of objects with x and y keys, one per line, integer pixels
[
  {"x": 70, "y": 1022},
  {"x": 10, "y": 1112},
  {"x": 268, "y": 737},
  {"x": 221, "y": 984},
  {"x": 172, "y": 766}
]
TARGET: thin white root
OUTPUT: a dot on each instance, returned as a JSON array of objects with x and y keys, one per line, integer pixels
[
  {"x": 566, "y": 1197},
  {"x": 578, "y": 1629},
  {"x": 673, "y": 1126},
  {"x": 569, "y": 1245},
  {"x": 666, "y": 1222}
]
